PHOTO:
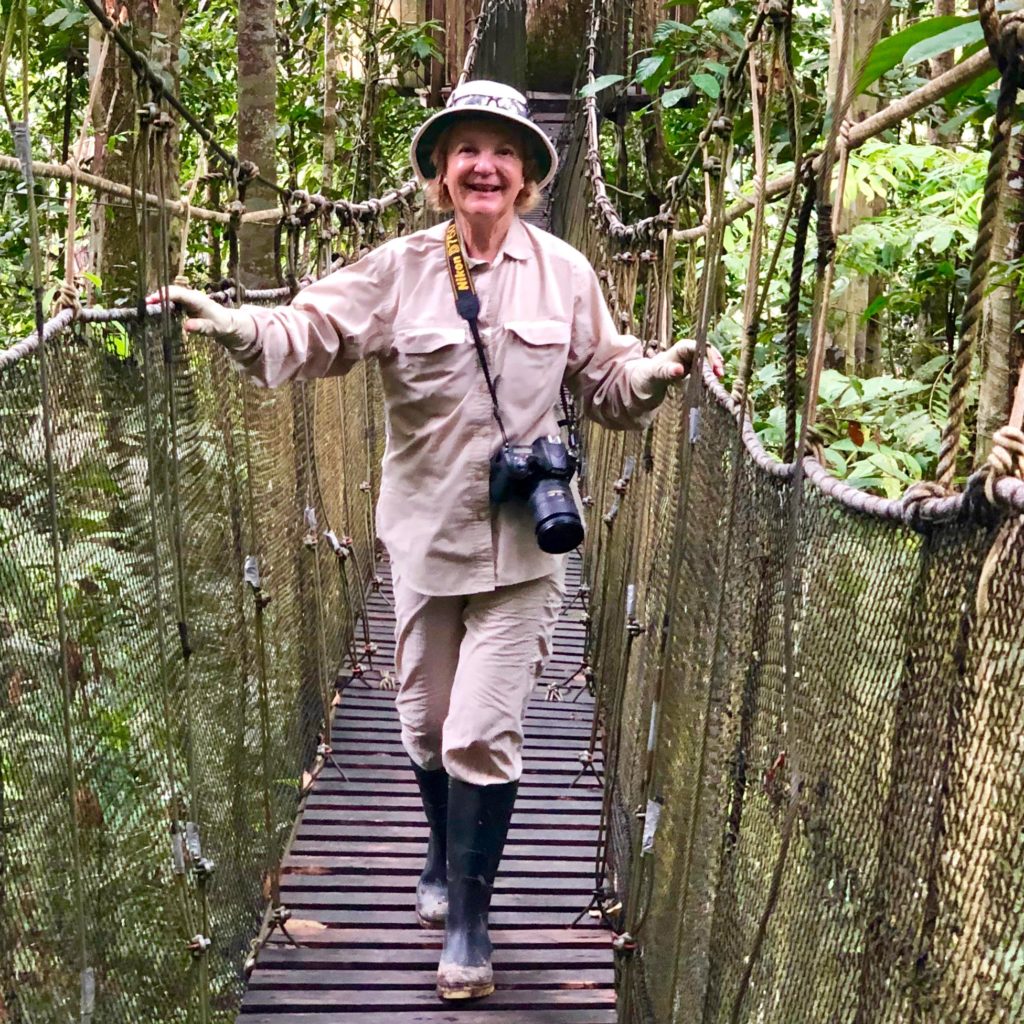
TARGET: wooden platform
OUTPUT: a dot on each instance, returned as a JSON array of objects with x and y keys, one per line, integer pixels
[{"x": 350, "y": 875}]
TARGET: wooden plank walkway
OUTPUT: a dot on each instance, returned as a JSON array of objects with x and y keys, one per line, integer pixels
[{"x": 349, "y": 878}]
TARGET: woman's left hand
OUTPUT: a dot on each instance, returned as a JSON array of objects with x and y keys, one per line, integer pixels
[{"x": 659, "y": 371}]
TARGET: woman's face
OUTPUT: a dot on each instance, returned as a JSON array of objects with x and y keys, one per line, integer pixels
[{"x": 484, "y": 169}]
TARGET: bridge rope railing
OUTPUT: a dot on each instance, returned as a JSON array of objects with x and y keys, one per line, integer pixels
[
  {"x": 183, "y": 567},
  {"x": 787, "y": 667}
]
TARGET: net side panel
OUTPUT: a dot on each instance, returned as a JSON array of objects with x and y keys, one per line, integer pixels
[
  {"x": 170, "y": 471},
  {"x": 898, "y": 895}
]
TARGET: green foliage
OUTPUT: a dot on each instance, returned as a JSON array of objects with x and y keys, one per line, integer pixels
[{"x": 919, "y": 42}]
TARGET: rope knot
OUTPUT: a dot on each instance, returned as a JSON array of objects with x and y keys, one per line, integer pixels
[
  {"x": 778, "y": 12},
  {"x": 1011, "y": 36},
  {"x": 914, "y": 500},
  {"x": 67, "y": 297},
  {"x": 246, "y": 172},
  {"x": 1005, "y": 459}
]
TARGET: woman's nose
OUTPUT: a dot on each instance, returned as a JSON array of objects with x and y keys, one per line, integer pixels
[{"x": 484, "y": 161}]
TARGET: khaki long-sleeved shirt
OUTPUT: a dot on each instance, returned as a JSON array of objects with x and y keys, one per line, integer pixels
[{"x": 543, "y": 320}]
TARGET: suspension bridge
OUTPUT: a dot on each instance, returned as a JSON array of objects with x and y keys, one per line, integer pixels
[{"x": 773, "y": 770}]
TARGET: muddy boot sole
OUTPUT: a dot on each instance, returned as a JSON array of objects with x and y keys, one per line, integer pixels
[
  {"x": 431, "y": 905},
  {"x": 451, "y": 991}
]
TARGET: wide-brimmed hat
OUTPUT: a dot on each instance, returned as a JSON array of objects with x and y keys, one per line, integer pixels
[{"x": 487, "y": 100}]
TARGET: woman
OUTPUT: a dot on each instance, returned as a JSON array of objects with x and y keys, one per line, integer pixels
[{"x": 476, "y": 597}]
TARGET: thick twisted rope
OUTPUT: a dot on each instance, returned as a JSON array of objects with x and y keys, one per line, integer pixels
[{"x": 1006, "y": 41}]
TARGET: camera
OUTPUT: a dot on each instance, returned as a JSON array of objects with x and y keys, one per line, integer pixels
[{"x": 540, "y": 473}]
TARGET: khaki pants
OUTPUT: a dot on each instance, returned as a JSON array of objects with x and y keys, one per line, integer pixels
[{"x": 466, "y": 668}]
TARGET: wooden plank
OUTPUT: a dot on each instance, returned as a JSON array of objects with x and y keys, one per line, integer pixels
[
  {"x": 392, "y": 873},
  {"x": 513, "y": 958},
  {"x": 331, "y": 1000},
  {"x": 313, "y": 934},
  {"x": 500, "y": 918},
  {"x": 400, "y": 773},
  {"x": 408, "y": 976},
  {"x": 404, "y": 787},
  {"x": 475, "y": 1014},
  {"x": 401, "y": 900},
  {"x": 524, "y": 853}
]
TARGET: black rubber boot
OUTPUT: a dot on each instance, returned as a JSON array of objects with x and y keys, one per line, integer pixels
[
  {"x": 432, "y": 887},
  {"x": 478, "y": 818}
]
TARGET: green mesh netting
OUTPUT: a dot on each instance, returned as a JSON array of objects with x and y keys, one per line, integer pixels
[{"x": 154, "y": 519}]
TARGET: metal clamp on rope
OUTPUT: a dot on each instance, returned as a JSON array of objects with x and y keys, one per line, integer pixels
[
  {"x": 177, "y": 851},
  {"x": 713, "y": 166},
  {"x": 192, "y": 841},
  {"x": 148, "y": 113},
  {"x": 198, "y": 946},
  {"x": 251, "y": 576},
  {"x": 203, "y": 869},
  {"x": 342, "y": 548},
  {"x": 652, "y": 817},
  {"x": 612, "y": 514},
  {"x": 623, "y": 943},
  {"x": 87, "y": 994},
  {"x": 310, "y": 540}
]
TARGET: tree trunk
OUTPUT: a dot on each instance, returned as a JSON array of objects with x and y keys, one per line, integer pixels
[
  {"x": 435, "y": 11},
  {"x": 115, "y": 244},
  {"x": 850, "y": 329},
  {"x": 257, "y": 130},
  {"x": 937, "y": 66},
  {"x": 999, "y": 343},
  {"x": 330, "y": 143},
  {"x": 165, "y": 54}
]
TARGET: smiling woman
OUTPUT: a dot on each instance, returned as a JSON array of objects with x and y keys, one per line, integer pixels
[
  {"x": 464, "y": 510},
  {"x": 483, "y": 156}
]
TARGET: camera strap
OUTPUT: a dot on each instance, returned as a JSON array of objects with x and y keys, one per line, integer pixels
[{"x": 467, "y": 303}]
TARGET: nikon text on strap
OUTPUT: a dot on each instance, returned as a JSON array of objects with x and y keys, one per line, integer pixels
[{"x": 468, "y": 306}]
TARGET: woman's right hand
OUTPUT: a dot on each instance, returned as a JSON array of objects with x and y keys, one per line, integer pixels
[{"x": 233, "y": 329}]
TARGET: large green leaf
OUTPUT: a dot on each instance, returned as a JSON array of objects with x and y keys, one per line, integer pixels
[
  {"x": 602, "y": 82},
  {"x": 951, "y": 39},
  {"x": 891, "y": 51}
]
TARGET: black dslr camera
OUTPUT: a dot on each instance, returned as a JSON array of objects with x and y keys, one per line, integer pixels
[{"x": 540, "y": 474}]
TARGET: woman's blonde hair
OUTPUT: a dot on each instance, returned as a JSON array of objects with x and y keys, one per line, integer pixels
[{"x": 439, "y": 198}]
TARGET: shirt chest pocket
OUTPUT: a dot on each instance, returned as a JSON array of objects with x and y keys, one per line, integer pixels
[
  {"x": 432, "y": 361},
  {"x": 535, "y": 359}
]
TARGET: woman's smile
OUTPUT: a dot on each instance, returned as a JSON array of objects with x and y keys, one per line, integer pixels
[{"x": 484, "y": 170}]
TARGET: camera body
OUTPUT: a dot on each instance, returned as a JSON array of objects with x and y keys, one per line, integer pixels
[{"x": 539, "y": 474}]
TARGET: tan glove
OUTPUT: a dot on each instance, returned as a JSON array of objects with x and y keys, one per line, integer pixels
[
  {"x": 652, "y": 376},
  {"x": 235, "y": 330}
]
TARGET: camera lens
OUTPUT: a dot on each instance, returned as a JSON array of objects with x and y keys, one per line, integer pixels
[{"x": 557, "y": 522}]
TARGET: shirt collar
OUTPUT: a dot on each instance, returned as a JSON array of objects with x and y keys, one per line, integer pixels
[
  {"x": 516, "y": 245},
  {"x": 517, "y": 242}
]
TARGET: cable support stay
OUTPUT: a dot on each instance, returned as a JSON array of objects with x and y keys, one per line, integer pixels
[{"x": 21, "y": 133}]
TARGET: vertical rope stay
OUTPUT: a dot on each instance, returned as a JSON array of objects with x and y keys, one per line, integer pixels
[
  {"x": 826, "y": 206},
  {"x": 201, "y": 867},
  {"x": 21, "y": 134},
  {"x": 715, "y": 171},
  {"x": 1005, "y": 44},
  {"x": 755, "y": 298}
]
